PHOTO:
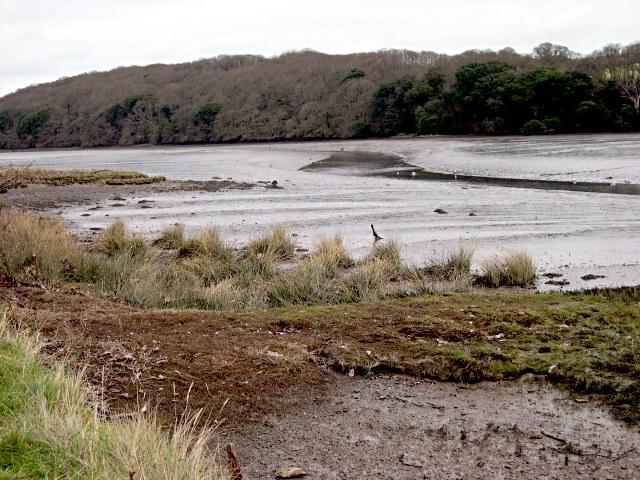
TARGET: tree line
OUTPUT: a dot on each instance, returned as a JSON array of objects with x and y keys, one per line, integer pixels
[
  {"x": 494, "y": 98},
  {"x": 310, "y": 95}
]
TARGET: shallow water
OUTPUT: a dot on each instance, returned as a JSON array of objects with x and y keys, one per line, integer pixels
[{"x": 570, "y": 232}]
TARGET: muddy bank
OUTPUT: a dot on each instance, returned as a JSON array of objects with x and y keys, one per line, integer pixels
[
  {"x": 391, "y": 166},
  {"x": 394, "y": 427},
  {"x": 46, "y": 197}
]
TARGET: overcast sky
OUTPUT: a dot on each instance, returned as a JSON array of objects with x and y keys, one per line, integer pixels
[{"x": 43, "y": 40}]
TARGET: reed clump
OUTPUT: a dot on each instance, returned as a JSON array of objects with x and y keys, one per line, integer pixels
[
  {"x": 38, "y": 249},
  {"x": 278, "y": 244},
  {"x": 513, "y": 268},
  {"x": 452, "y": 263}
]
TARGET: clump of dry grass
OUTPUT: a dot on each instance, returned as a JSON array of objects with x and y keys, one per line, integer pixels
[
  {"x": 171, "y": 238},
  {"x": 514, "y": 268},
  {"x": 451, "y": 264},
  {"x": 34, "y": 248},
  {"x": 333, "y": 253},
  {"x": 311, "y": 282},
  {"x": 366, "y": 282},
  {"x": 278, "y": 244},
  {"x": 389, "y": 256},
  {"x": 116, "y": 238},
  {"x": 209, "y": 244}
]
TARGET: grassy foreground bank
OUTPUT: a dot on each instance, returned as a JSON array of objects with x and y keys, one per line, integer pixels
[{"x": 47, "y": 429}]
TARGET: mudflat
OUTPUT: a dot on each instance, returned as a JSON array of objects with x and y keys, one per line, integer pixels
[{"x": 47, "y": 197}]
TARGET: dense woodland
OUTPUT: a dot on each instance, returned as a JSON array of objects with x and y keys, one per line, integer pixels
[{"x": 310, "y": 95}]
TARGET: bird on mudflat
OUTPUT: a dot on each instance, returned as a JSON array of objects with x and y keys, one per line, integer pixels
[{"x": 376, "y": 237}]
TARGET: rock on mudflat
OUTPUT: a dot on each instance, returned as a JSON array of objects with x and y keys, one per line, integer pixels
[{"x": 290, "y": 472}]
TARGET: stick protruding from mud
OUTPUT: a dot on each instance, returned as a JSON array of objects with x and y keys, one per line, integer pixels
[{"x": 233, "y": 465}]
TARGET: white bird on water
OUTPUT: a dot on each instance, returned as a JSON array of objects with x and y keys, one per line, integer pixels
[{"x": 413, "y": 174}]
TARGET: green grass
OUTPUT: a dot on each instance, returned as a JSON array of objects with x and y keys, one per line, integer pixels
[
  {"x": 47, "y": 429},
  {"x": 592, "y": 342}
]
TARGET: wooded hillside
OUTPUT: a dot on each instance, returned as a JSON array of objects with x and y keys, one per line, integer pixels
[{"x": 310, "y": 95}]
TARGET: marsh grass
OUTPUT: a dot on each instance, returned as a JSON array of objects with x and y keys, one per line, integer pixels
[
  {"x": 48, "y": 430},
  {"x": 366, "y": 282},
  {"x": 205, "y": 272},
  {"x": 333, "y": 254},
  {"x": 311, "y": 282},
  {"x": 171, "y": 238},
  {"x": 117, "y": 239},
  {"x": 39, "y": 249},
  {"x": 514, "y": 268},
  {"x": 277, "y": 244},
  {"x": 388, "y": 254},
  {"x": 210, "y": 244},
  {"x": 13, "y": 177},
  {"x": 452, "y": 263}
]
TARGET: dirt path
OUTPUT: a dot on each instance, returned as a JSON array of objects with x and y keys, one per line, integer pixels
[{"x": 393, "y": 427}]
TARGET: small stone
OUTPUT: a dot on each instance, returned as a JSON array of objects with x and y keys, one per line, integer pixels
[{"x": 290, "y": 472}]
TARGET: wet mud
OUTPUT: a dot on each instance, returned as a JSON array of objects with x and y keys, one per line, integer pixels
[
  {"x": 374, "y": 164},
  {"x": 575, "y": 233},
  {"x": 394, "y": 427}
]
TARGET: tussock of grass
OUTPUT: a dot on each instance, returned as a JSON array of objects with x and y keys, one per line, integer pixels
[
  {"x": 452, "y": 263},
  {"x": 211, "y": 245},
  {"x": 310, "y": 283},
  {"x": 39, "y": 249},
  {"x": 224, "y": 295},
  {"x": 171, "y": 238},
  {"x": 333, "y": 254},
  {"x": 116, "y": 239},
  {"x": 365, "y": 284},
  {"x": 277, "y": 244},
  {"x": 514, "y": 268},
  {"x": 47, "y": 430},
  {"x": 390, "y": 254}
]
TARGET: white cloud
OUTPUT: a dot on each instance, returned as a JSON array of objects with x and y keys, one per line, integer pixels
[{"x": 53, "y": 39}]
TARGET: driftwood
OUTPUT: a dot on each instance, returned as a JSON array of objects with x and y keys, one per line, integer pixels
[{"x": 234, "y": 465}]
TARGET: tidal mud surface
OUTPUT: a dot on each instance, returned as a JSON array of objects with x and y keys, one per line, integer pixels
[
  {"x": 572, "y": 233},
  {"x": 394, "y": 427},
  {"x": 375, "y": 164}
]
